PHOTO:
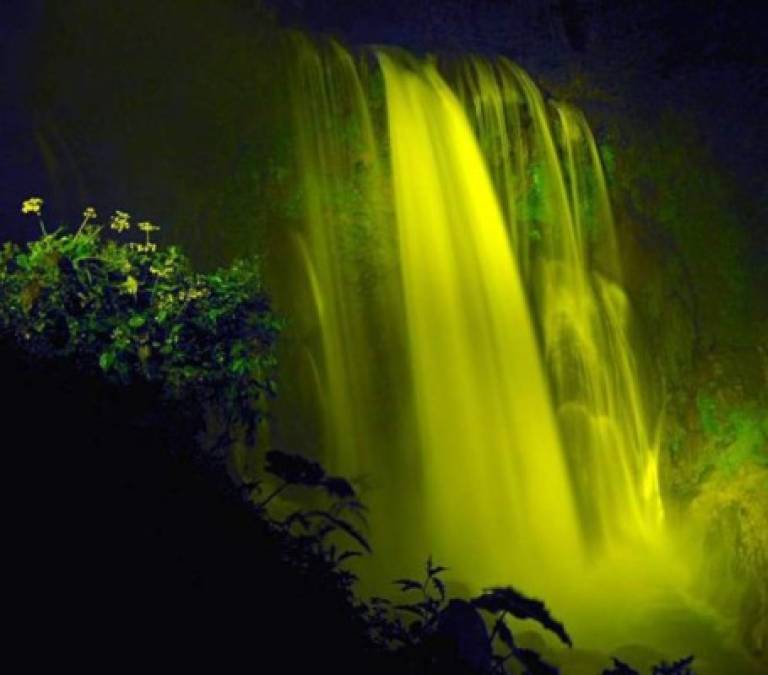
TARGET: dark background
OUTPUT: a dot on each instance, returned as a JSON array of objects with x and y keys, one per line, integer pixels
[{"x": 706, "y": 57}]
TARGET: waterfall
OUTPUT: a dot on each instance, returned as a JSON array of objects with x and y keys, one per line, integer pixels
[
  {"x": 453, "y": 275},
  {"x": 550, "y": 182},
  {"x": 486, "y": 430}
]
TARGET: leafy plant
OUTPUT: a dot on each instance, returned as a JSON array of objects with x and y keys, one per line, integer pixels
[
  {"x": 680, "y": 667},
  {"x": 500, "y": 602},
  {"x": 418, "y": 630},
  {"x": 436, "y": 616},
  {"x": 430, "y": 633},
  {"x": 311, "y": 536},
  {"x": 137, "y": 311},
  {"x": 620, "y": 668}
]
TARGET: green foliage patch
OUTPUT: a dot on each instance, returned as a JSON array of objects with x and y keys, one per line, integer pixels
[
  {"x": 736, "y": 436},
  {"x": 137, "y": 311}
]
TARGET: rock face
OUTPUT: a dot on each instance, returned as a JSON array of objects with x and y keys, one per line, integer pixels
[
  {"x": 716, "y": 469},
  {"x": 732, "y": 514}
]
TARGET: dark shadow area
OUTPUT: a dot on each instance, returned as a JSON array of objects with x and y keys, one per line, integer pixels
[{"x": 122, "y": 547}]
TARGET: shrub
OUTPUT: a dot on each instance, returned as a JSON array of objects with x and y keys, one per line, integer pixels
[{"x": 137, "y": 311}]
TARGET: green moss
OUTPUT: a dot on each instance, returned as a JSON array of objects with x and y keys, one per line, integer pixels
[
  {"x": 745, "y": 433},
  {"x": 734, "y": 436}
]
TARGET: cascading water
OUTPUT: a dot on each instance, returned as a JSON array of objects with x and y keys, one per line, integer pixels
[
  {"x": 464, "y": 328},
  {"x": 486, "y": 430},
  {"x": 548, "y": 173}
]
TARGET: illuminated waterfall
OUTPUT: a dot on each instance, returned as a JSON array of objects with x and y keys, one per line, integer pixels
[
  {"x": 486, "y": 430},
  {"x": 454, "y": 275},
  {"x": 548, "y": 174}
]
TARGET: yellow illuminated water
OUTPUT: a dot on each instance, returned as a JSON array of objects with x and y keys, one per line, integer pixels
[
  {"x": 329, "y": 97},
  {"x": 453, "y": 279},
  {"x": 486, "y": 431},
  {"x": 550, "y": 180}
]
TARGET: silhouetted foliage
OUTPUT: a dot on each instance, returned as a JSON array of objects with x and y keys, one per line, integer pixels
[
  {"x": 507, "y": 599},
  {"x": 178, "y": 547},
  {"x": 680, "y": 667},
  {"x": 139, "y": 312},
  {"x": 294, "y": 469},
  {"x": 620, "y": 668}
]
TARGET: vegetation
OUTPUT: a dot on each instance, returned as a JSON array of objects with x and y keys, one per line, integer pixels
[
  {"x": 121, "y": 317},
  {"x": 431, "y": 633},
  {"x": 139, "y": 312}
]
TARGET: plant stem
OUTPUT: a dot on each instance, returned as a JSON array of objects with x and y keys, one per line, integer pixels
[
  {"x": 499, "y": 621},
  {"x": 274, "y": 494}
]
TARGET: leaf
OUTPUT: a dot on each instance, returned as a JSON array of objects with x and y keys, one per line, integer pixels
[
  {"x": 137, "y": 321},
  {"x": 440, "y": 586},
  {"x": 534, "y": 664},
  {"x": 323, "y": 532},
  {"x": 29, "y": 294},
  {"x": 357, "y": 508},
  {"x": 431, "y": 571},
  {"x": 505, "y": 635},
  {"x": 338, "y": 487},
  {"x": 106, "y": 360},
  {"x": 239, "y": 366},
  {"x": 676, "y": 668},
  {"x": 408, "y": 584},
  {"x": 507, "y": 599},
  {"x": 620, "y": 668},
  {"x": 294, "y": 469},
  {"x": 342, "y": 525},
  {"x": 297, "y": 517},
  {"x": 348, "y": 554}
]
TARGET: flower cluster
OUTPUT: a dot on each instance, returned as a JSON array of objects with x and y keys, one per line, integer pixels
[
  {"x": 120, "y": 222},
  {"x": 147, "y": 247},
  {"x": 146, "y": 226},
  {"x": 88, "y": 214},
  {"x": 32, "y": 205}
]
